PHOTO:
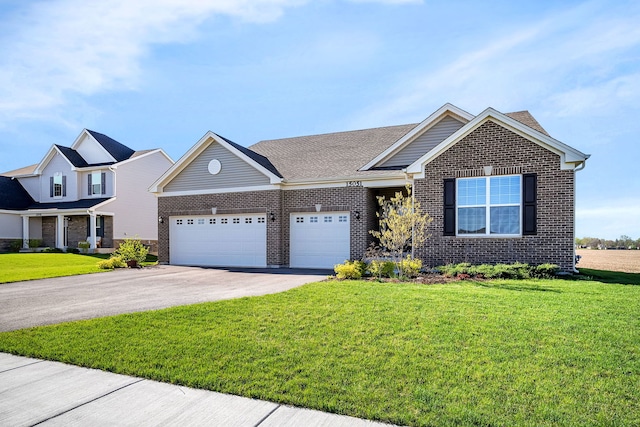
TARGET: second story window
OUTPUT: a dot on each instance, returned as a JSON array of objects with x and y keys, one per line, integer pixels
[
  {"x": 97, "y": 183},
  {"x": 58, "y": 185}
]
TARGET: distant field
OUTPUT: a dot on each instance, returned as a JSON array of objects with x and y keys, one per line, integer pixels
[{"x": 613, "y": 260}]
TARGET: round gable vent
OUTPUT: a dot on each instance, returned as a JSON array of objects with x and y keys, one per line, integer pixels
[{"x": 214, "y": 167}]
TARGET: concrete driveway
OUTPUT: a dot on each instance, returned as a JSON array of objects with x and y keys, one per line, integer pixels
[{"x": 49, "y": 301}]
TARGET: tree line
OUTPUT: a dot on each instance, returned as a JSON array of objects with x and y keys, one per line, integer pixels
[{"x": 623, "y": 242}]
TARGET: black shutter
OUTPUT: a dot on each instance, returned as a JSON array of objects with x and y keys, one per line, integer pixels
[
  {"x": 51, "y": 187},
  {"x": 89, "y": 184},
  {"x": 449, "y": 207},
  {"x": 529, "y": 204},
  {"x": 103, "y": 180},
  {"x": 64, "y": 186}
]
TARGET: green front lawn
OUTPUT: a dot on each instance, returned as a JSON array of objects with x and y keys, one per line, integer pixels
[
  {"x": 501, "y": 353},
  {"x": 29, "y": 266}
]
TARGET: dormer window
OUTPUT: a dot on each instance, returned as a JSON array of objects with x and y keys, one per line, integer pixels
[
  {"x": 58, "y": 186},
  {"x": 96, "y": 183}
]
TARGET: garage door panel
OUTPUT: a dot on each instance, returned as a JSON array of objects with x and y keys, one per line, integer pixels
[
  {"x": 319, "y": 240},
  {"x": 218, "y": 240}
]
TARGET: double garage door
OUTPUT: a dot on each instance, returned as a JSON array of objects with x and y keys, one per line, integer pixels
[
  {"x": 218, "y": 240},
  {"x": 318, "y": 240}
]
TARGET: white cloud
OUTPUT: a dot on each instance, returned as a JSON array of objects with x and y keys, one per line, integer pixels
[
  {"x": 69, "y": 48},
  {"x": 568, "y": 61}
]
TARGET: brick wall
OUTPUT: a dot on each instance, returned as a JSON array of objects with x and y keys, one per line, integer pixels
[
  {"x": 493, "y": 145},
  {"x": 49, "y": 231}
]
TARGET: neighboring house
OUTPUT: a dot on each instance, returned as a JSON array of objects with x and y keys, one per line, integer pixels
[
  {"x": 96, "y": 191},
  {"x": 498, "y": 187}
]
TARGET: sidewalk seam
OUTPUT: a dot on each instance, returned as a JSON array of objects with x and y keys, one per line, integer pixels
[
  {"x": 21, "y": 366},
  {"x": 87, "y": 402},
  {"x": 267, "y": 416}
]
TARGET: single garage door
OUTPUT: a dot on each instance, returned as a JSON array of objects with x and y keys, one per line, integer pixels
[
  {"x": 218, "y": 240},
  {"x": 319, "y": 240}
]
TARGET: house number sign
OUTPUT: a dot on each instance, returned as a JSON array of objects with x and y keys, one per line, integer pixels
[{"x": 354, "y": 183}]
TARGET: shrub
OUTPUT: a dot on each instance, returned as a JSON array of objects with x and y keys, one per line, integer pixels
[
  {"x": 132, "y": 249},
  {"x": 111, "y": 263},
  {"x": 73, "y": 250},
  {"x": 381, "y": 268},
  {"x": 35, "y": 243},
  {"x": 410, "y": 267},
  {"x": 350, "y": 269},
  {"x": 53, "y": 250},
  {"x": 84, "y": 246},
  {"x": 545, "y": 271},
  {"x": 15, "y": 245}
]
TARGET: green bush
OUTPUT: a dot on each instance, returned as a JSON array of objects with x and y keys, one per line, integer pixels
[
  {"x": 73, "y": 250},
  {"x": 410, "y": 267},
  {"x": 15, "y": 245},
  {"x": 516, "y": 270},
  {"x": 35, "y": 243},
  {"x": 381, "y": 268},
  {"x": 350, "y": 270},
  {"x": 111, "y": 263},
  {"x": 84, "y": 246},
  {"x": 53, "y": 250},
  {"x": 132, "y": 249}
]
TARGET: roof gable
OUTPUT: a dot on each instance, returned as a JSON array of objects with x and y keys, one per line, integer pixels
[
  {"x": 447, "y": 110},
  {"x": 211, "y": 144},
  {"x": 13, "y": 196},
  {"x": 118, "y": 151},
  {"x": 570, "y": 158}
]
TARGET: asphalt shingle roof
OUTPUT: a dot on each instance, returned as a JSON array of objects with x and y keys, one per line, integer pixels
[
  {"x": 73, "y": 156},
  {"x": 526, "y": 118},
  {"x": 13, "y": 196},
  {"x": 258, "y": 158},
  {"x": 331, "y": 155},
  {"x": 78, "y": 204},
  {"x": 119, "y": 151}
]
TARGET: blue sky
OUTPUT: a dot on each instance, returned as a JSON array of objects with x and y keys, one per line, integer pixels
[{"x": 161, "y": 73}]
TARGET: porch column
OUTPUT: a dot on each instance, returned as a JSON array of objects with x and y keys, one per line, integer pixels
[
  {"x": 25, "y": 232},
  {"x": 92, "y": 230},
  {"x": 60, "y": 232}
]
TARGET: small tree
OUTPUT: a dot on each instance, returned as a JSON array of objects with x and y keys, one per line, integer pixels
[
  {"x": 403, "y": 225},
  {"x": 131, "y": 249}
]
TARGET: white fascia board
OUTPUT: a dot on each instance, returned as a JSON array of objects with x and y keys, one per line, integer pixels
[
  {"x": 569, "y": 157},
  {"x": 218, "y": 191},
  {"x": 86, "y": 132},
  {"x": 198, "y": 148},
  {"x": 430, "y": 121},
  {"x": 133, "y": 159},
  {"x": 47, "y": 158},
  {"x": 370, "y": 183}
]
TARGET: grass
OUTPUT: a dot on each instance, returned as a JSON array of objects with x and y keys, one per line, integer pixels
[
  {"x": 31, "y": 266},
  {"x": 500, "y": 353}
]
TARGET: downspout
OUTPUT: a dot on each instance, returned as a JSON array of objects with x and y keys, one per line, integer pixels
[{"x": 578, "y": 169}]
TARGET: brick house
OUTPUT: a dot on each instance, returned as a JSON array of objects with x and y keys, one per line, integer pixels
[
  {"x": 95, "y": 191},
  {"x": 498, "y": 187}
]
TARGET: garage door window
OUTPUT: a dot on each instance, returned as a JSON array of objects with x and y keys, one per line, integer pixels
[
  {"x": 328, "y": 219},
  {"x": 313, "y": 219},
  {"x": 189, "y": 222},
  {"x": 299, "y": 219},
  {"x": 212, "y": 220},
  {"x": 224, "y": 221},
  {"x": 261, "y": 220},
  {"x": 178, "y": 222}
]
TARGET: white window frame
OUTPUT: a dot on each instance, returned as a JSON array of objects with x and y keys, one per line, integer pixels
[
  {"x": 96, "y": 183},
  {"x": 487, "y": 206},
  {"x": 58, "y": 191}
]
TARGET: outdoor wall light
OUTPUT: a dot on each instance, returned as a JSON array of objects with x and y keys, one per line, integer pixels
[
  {"x": 357, "y": 214},
  {"x": 272, "y": 216},
  {"x": 160, "y": 220}
]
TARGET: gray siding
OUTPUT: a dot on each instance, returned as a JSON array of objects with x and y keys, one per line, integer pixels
[
  {"x": 425, "y": 142},
  {"x": 235, "y": 172}
]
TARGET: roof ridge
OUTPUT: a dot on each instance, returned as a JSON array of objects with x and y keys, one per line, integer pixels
[{"x": 339, "y": 132}]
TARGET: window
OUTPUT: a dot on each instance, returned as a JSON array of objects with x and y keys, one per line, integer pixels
[
  {"x": 489, "y": 205},
  {"x": 200, "y": 221},
  {"x": 97, "y": 183},
  {"x": 178, "y": 222},
  {"x": 299, "y": 219},
  {"x": 212, "y": 220},
  {"x": 328, "y": 219},
  {"x": 236, "y": 220},
  {"x": 248, "y": 220},
  {"x": 189, "y": 222},
  {"x": 313, "y": 219},
  {"x": 57, "y": 188},
  {"x": 261, "y": 220},
  {"x": 342, "y": 218},
  {"x": 224, "y": 221}
]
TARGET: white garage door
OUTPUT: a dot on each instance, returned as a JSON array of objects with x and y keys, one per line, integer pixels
[
  {"x": 218, "y": 240},
  {"x": 319, "y": 240}
]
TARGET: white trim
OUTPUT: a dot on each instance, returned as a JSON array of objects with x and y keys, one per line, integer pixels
[
  {"x": 446, "y": 110},
  {"x": 79, "y": 138},
  {"x": 217, "y": 191},
  {"x": 366, "y": 183},
  {"x": 48, "y": 157},
  {"x": 196, "y": 150},
  {"x": 570, "y": 158}
]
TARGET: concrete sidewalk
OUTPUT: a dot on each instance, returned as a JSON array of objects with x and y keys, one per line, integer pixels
[{"x": 54, "y": 394}]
